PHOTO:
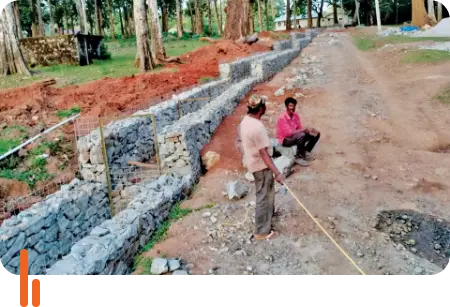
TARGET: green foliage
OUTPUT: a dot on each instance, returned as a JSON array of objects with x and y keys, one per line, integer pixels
[
  {"x": 68, "y": 112},
  {"x": 444, "y": 97},
  {"x": 6, "y": 145},
  {"x": 11, "y": 137},
  {"x": 205, "y": 79},
  {"x": 426, "y": 56},
  {"x": 31, "y": 177},
  {"x": 104, "y": 53}
]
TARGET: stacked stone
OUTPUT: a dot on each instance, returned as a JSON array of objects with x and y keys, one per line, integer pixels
[
  {"x": 111, "y": 247},
  {"x": 266, "y": 67},
  {"x": 282, "y": 45},
  {"x": 240, "y": 69},
  {"x": 49, "y": 228}
]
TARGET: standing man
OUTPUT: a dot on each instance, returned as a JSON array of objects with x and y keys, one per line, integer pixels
[
  {"x": 257, "y": 149},
  {"x": 290, "y": 132}
]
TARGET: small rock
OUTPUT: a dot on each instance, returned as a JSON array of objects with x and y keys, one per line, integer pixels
[
  {"x": 437, "y": 246},
  {"x": 180, "y": 272},
  {"x": 236, "y": 190},
  {"x": 411, "y": 242},
  {"x": 213, "y": 219},
  {"x": 375, "y": 177},
  {"x": 404, "y": 217},
  {"x": 210, "y": 158},
  {"x": 360, "y": 254},
  {"x": 206, "y": 214},
  {"x": 159, "y": 266},
  {"x": 23, "y": 152},
  {"x": 418, "y": 270},
  {"x": 414, "y": 250},
  {"x": 366, "y": 176},
  {"x": 174, "y": 264},
  {"x": 249, "y": 268},
  {"x": 280, "y": 91}
]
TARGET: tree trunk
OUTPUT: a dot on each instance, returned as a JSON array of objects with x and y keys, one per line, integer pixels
[
  {"x": 179, "y": 19},
  {"x": 111, "y": 19},
  {"x": 72, "y": 24},
  {"x": 39, "y": 16},
  {"x": 66, "y": 16},
  {"x": 198, "y": 21},
  {"x": 320, "y": 14},
  {"x": 164, "y": 18},
  {"x": 357, "y": 12},
  {"x": 11, "y": 59},
  {"x": 309, "y": 9},
  {"x": 237, "y": 21},
  {"x": 220, "y": 15},
  {"x": 260, "y": 16},
  {"x": 272, "y": 7},
  {"x": 439, "y": 11},
  {"x": 419, "y": 14},
  {"x": 33, "y": 18},
  {"x": 219, "y": 21},
  {"x": 144, "y": 55},
  {"x": 192, "y": 17},
  {"x": 295, "y": 14},
  {"x": 17, "y": 18},
  {"x": 396, "y": 11},
  {"x": 431, "y": 13},
  {"x": 267, "y": 14},
  {"x": 81, "y": 9},
  {"x": 251, "y": 17},
  {"x": 121, "y": 23},
  {"x": 99, "y": 18},
  {"x": 51, "y": 20},
  {"x": 335, "y": 17},
  {"x": 288, "y": 15},
  {"x": 128, "y": 21},
  {"x": 209, "y": 17},
  {"x": 157, "y": 44}
]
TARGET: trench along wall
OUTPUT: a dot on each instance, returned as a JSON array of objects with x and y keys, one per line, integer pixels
[{"x": 111, "y": 247}]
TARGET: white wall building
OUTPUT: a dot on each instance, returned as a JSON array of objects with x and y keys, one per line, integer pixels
[{"x": 326, "y": 20}]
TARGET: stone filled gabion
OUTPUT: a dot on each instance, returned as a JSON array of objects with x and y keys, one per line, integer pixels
[
  {"x": 110, "y": 247},
  {"x": 240, "y": 69},
  {"x": 49, "y": 228},
  {"x": 282, "y": 45}
]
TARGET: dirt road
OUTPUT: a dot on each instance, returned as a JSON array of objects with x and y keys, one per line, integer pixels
[{"x": 383, "y": 148}]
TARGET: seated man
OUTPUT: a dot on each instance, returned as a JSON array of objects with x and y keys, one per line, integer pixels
[{"x": 290, "y": 132}]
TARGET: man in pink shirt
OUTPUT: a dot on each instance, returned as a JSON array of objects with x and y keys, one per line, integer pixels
[{"x": 290, "y": 132}]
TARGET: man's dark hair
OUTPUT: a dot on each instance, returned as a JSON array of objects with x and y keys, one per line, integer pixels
[
  {"x": 256, "y": 109},
  {"x": 290, "y": 100}
]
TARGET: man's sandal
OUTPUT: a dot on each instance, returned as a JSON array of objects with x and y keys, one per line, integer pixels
[{"x": 270, "y": 236}]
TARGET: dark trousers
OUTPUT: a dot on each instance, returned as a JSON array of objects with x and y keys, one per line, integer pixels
[
  {"x": 305, "y": 142},
  {"x": 265, "y": 201}
]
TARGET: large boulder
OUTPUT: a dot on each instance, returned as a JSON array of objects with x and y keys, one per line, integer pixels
[{"x": 284, "y": 165}]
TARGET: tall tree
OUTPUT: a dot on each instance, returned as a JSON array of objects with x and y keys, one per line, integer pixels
[
  {"x": 419, "y": 14},
  {"x": 99, "y": 11},
  {"x": 295, "y": 14},
  {"x": 157, "y": 44},
  {"x": 335, "y": 16},
  {"x": 198, "y": 18},
  {"x": 309, "y": 11},
  {"x": 15, "y": 5},
  {"x": 11, "y": 59},
  {"x": 193, "y": 27},
  {"x": 33, "y": 17},
  {"x": 260, "y": 16},
  {"x": 251, "y": 17},
  {"x": 127, "y": 18},
  {"x": 431, "y": 13},
  {"x": 51, "y": 18},
  {"x": 144, "y": 55},
  {"x": 110, "y": 9},
  {"x": 267, "y": 14},
  {"x": 288, "y": 14},
  {"x": 439, "y": 11},
  {"x": 237, "y": 21},
  {"x": 121, "y": 22},
  {"x": 209, "y": 17},
  {"x": 219, "y": 19},
  {"x": 179, "y": 19},
  {"x": 81, "y": 10},
  {"x": 164, "y": 17},
  {"x": 40, "y": 20}
]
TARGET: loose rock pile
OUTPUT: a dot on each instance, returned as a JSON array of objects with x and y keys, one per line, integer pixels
[{"x": 165, "y": 266}]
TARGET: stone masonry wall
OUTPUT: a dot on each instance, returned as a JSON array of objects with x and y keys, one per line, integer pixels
[
  {"x": 49, "y": 228},
  {"x": 60, "y": 49},
  {"x": 110, "y": 248}
]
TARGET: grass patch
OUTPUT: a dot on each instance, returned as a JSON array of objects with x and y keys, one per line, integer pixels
[
  {"x": 370, "y": 42},
  {"x": 30, "y": 177},
  {"x": 444, "y": 97},
  {"x": 426, "y": 56},
  {"x": 68, "y": 112},
  {"x": 363, "y": 43},
  {"x": 123, "y": 53},
  {"x": 11, "y": 137},
  {"x": 6, "y": 145},
  {"x": 205, "y": 79}
]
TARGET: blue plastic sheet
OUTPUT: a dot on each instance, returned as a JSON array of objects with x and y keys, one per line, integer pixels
[{"x": 409, "y": 28}]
